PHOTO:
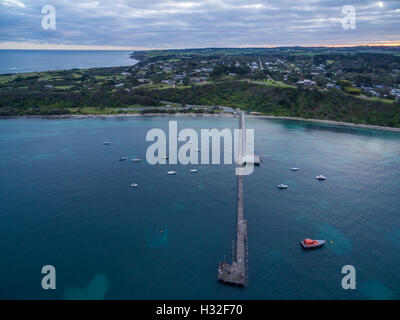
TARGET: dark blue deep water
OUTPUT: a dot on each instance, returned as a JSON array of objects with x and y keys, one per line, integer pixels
[
  {"x": 66, "y": 200},
  {"x": 19, "y": 61}
]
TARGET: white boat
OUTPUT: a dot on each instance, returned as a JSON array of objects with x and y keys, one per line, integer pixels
[
  {"x": 193, "y": 170},
  {"x": 164, "y": 157},
  {"x": 135, "y": 185},
  {"x": 197, "y": 150},
  {"x": 171, "y": 172},
  {"x": 136, "y": 160},
  {"x": 321, "y": 177},
  {"x": 282, "y": 186},
  {"x": 295, "y": 169},
  {"x": 107, "y": 143}
]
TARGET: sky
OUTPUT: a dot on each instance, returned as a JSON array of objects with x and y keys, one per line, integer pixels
[{"x": 166, "y": 24}]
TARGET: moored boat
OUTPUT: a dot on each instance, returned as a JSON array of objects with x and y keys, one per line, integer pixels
[
  {"x": 171, "y": 172},
  {"x": 311, "y": 244}
]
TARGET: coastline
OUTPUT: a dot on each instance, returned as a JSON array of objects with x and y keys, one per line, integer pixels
[
  {"x": 335, "y": 123},
  {"x": 122, "y": 115}
]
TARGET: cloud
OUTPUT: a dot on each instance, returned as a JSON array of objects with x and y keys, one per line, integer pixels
[
  {"x": 13, "y": 3},
  {"x": 202, "y": 23}
]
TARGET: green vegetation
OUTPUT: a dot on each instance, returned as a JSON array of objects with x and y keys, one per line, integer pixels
[
  {"x": 272, "y": 83},
  {"x": 277, "y": 101},
  {"x": 360, "y": 85}
]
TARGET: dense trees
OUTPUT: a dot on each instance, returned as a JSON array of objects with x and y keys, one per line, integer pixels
[
  {"x": 307, "y": 103},
  {"x": 25, "y": 102}
]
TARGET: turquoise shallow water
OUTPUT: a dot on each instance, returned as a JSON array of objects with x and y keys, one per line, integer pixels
[{"x": 66, "y": 200}]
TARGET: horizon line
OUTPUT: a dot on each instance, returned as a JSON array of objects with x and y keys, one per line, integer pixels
[{"x": 29, "y": 46}]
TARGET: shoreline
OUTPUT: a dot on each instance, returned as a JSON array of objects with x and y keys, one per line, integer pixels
[
  {"x": 333, "y": 122},
  {"x": 122, "y": 115}
]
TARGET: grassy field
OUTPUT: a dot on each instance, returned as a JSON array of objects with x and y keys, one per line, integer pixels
[
  {"x": 105, "y": 111},
  {"x": 376, "y": 99},
  {"x": 162, "y": 86},
  {"x": 63, "y": 87},
  {"x": 5, "y": 78},
  {"x": 271, "y": 83}
]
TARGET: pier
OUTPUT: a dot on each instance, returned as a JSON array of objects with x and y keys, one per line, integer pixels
[{"x": 236, "y": 273}]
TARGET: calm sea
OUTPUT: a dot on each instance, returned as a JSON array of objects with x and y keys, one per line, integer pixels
[
  {"x": 66, "y": 200},
  {"x": 19, "y": 61}
]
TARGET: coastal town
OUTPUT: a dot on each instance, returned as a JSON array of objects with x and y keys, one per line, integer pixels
[
  {"x": 360, "y": 85},
  {"x": 325, "y": 71}
]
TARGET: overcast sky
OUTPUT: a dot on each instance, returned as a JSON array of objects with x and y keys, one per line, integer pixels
[{"x": 196, "y": 24}]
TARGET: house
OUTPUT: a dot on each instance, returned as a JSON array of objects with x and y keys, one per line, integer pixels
[
  {"x": 307, "y": 82},
  {"x": 168, "y": 82},
  {"x": 367, "y": 88},
  {"x": 198, "y": 80}
]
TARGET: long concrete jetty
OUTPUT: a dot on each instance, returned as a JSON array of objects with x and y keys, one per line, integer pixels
[{"x": 236, "y": 273}]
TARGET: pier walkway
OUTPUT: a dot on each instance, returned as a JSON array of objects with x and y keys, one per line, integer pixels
[{"x": 236, "y": 273}]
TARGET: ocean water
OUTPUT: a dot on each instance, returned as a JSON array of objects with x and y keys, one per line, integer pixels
[
  {"x": 66, "y": 200},
  {"x": 20, "y": 61}
]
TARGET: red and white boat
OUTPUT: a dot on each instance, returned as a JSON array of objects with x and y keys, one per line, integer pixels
[{"x": 311, "y": 244}]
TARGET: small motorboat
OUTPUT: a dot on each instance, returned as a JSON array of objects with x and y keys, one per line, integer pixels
[
  {"x": 171, "y": 172},
  {"x": 295, "y": 169},
  {"x": 136, "y": 160},
  {"x": 193, "y": 170},
  {"x": 135, "y": 185},
  {"x": 122, "y": 159},
  {"x": 311, "y": 244},
  {"x": 282, "y": 186},
  {"x": 197, "y": 150},
  {"x": 164, "y": 157},
  {"x": 321, "y": 177},
  {"x": 107, "y": 143}
]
